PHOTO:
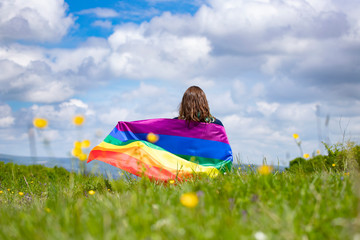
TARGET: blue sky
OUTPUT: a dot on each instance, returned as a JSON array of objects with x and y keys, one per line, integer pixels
[
  {"x": 265, "y": 65},
  {"x": 116, "y": 13}
]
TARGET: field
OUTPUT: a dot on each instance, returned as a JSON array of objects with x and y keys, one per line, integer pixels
[{"x": 52, "y": 203}]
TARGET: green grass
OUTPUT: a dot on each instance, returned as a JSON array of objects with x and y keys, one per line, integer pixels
[{"x": 56, "y": 205}]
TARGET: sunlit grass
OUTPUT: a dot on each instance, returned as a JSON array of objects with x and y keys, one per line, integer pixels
[{"x": 56, "y": 204}]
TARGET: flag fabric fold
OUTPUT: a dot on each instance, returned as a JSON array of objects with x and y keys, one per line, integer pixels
[{"x": 181, "y": 150}]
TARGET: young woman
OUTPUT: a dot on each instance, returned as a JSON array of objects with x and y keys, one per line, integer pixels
[{"x": 194, "y": 107}]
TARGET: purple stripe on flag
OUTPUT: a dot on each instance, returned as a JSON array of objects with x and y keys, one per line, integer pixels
[{"x": 175, "y": 127}]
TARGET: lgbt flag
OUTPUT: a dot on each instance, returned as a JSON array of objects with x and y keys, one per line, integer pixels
[{"x": 181, "y": 149}]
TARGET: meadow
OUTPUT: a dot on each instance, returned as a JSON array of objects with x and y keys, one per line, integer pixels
[{"x": 246, "y": 203}]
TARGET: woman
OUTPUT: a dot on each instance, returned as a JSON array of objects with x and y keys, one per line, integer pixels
[
  {"x": 194, "y": 107},
  {"x": 172, "y": 151}
]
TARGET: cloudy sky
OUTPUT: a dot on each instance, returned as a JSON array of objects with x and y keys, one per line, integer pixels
[{"x": 270, "y": 68}]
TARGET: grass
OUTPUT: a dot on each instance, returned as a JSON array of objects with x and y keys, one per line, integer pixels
[{"x": 56, "y": 204}]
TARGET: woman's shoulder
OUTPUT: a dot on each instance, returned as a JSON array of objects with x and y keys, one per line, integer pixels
[
  {"x": 217, "y": 121},
  {"x": 213, "y": 120}
]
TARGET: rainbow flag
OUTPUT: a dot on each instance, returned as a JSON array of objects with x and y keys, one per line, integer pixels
[{"x": 182, "y": 149}]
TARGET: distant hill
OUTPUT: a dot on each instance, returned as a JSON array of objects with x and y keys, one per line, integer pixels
[
  {"x": 46, "y": 161},
  {"x": 69, "y": 164}
]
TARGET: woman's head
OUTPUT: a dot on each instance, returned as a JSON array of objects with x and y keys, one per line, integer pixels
[{"x": 194, "y": 105}]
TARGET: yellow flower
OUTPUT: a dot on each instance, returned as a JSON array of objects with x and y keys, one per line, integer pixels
[
  {"x": 91, "y": 192},
  {"x": 347, "y": 174},
  {"x": 21, "y": 193},
  {"x": 189, "y": 200},
  {"x": 108, "y": 189},
  {"x": 153, "y": 138},
  {"x": 333, "y": 164},
  {"x": 78, "y": 120},
  {"x": 1, "y": 192},
  {"x": 8, "y": 189},
  {"x": 47, "y": 210},
  {"x": 295, "y": 135},
  {"x": 318, "y": 152},
  {"x": 265, "y": 169},
  {"x": 172, "y": 181},
  {"x": 76, "y": 152},
  {"x": 306, "y": 155},
  {"x": 40, "y": 122},
  {"x": 85, "y": 143},
  {"x": 82, "y": 157},
  {"x": 77, "y": 144}
]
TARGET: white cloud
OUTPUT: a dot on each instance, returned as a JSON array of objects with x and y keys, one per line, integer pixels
[
  {"x": 201, "y": 82},
  {"x": 6, "y": 118},
  {"x": 35, "y": 83},
  {"x": 60, "y": 115},
  {"x": 53, "y": 91},
  {"x": 74, "y": 103},
  {"x": 10, "y": 70},
  {"x": 190, "y": 2},
  {"x": 103, "y": 24},
  {"x": 100, "y": 12},
  {"x": 144, "y": 91},
  {"x": 91, "y": 57},
  {"x": 20, "y": 54},
  {"x": 34, "y": 20},
  {"x": 264, "y": 66},
  {"x": 222, "y": 103},
  {"x": 42, "y": 75},
  {"x": 139, "y": 55},
  {"x": 114, "y": 115},
  {"x": 50, "y": 135},
  {"x": 267, "y": 108}
]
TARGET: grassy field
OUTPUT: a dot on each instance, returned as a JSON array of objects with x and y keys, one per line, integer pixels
[{"x": 51, "y": 203}]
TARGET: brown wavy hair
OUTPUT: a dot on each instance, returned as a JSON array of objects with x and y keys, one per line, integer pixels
[{"x": 194, "y": 106}]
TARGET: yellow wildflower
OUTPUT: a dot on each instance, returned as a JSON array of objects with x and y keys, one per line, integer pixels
[
  {"x": 47, "y": 210},
  {"x": 333, "y": 164},
  {"x": 172, "y": 181},
  {"x": 295, "y": 135},
  {"x": 82, "y": 157},
  {"x": 76, "y": 152},
  {"x": 85, "y": 143},
  {"x": 265, "y": 169},
  {"x": 21, "y": 193},
  {"x": 153, "y": 138},
  {"x": 78, "y": 120},
  {"x": 40, "y": 122},
  {"x": 91, "y": 192},
  {"x": 189, "y": 200},
  {"x": 77, "y": 144},
  {"x": 1, "y": 192},
  {"x": 8, "y": 189},
  {"x": 306, "y": 155}
]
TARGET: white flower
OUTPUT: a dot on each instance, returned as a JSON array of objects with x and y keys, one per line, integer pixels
[{"x": 260, "y": 236}]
